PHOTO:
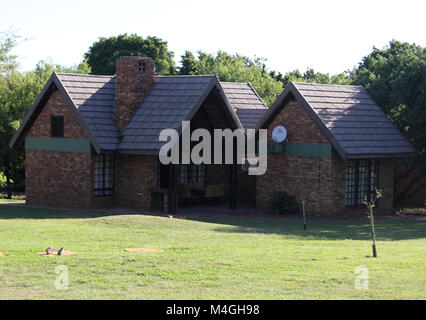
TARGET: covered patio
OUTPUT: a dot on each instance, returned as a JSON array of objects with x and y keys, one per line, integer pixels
[{"x": 183, "y": 185}]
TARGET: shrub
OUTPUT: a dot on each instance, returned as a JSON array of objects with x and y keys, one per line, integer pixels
[
  {"x": 2, "y": 182},
  {"x": 284, "y": 203}
]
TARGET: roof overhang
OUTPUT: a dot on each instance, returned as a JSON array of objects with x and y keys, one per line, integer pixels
[{"x": 380, "y": 156}]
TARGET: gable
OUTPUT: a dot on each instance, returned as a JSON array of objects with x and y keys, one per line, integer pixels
[
  {"x": 348, "y": 117},
  {"x": 56, "y": 106},
  {"x": 171, "y": 100},
  {"x": 52, "y": 85},
  {"x": 301, "y": 128}
]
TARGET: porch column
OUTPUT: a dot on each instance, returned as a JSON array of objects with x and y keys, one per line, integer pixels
[
  {"x": 171, "y": 196},
  {"x": 233, "y": 180}
]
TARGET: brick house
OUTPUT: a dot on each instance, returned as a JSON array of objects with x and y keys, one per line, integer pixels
[
  {"x": 92, "y": 141},
  {"x": 340, "y": 147}
]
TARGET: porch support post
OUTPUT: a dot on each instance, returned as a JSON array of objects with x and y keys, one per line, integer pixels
[
  {"x": 234, "y": 187},
  {"x": 171, "y": 196},
  {"x": 233, "y": 180}
]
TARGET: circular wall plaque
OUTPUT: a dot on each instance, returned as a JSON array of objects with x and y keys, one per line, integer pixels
[{"x": 279, "y": 133}]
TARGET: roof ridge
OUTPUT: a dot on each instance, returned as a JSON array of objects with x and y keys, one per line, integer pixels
[
  {"x": 234, "y": 82},
  {"x": 85, "y": 75},
  {"x": 185, "y": 76},
  {"x": 257, "y": 95},
  {"x": 327, "y": 84}
]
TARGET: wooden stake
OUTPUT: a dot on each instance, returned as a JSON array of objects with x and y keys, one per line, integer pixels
[{"x": 304, "y": 215}]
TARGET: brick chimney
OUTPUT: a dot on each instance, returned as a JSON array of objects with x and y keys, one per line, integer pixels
[{"x": 134, "y": 78}]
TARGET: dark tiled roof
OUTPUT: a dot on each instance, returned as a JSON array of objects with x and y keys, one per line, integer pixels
[
  {"x": 350, "y": 119},
  {"x": 94, "y": 98},
  {"x": 169, "y": 101},
  {"x": 245, "y": 101}
]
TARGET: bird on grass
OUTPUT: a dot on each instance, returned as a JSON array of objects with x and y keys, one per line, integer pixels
[
  {"x": 61, "y": 251},
  {"x": 50, "y": 250}
]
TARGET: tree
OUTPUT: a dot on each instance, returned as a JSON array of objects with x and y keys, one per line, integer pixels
[
  {"x": 313, "y": 77},
  {"x": 233, "y": 68},
  {"x": 102, "y": 54},
  {"x": 82, "y": 68},
  {"x": 395, "y": 77},
  {"x": 8, "y": 61},
  {"x": 188, "y": 64}
]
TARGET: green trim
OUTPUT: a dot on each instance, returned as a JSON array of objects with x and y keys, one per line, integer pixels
[
  {"x": 57, "y": 144},
  {"x": 303, "y": 150},
  {"x": 309, "y": 150}
]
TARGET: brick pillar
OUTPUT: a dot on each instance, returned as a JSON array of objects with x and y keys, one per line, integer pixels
[{"x": 134, "y": 78}]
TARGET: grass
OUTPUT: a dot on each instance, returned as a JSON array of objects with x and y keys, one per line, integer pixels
[
  {"x": 15, "y": 198},
  {"x": 207, "y": 258}
]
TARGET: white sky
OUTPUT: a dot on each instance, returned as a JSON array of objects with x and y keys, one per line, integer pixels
[{"x": 329, "y": 36}]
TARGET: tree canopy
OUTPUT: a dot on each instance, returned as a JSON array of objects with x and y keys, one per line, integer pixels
[
  {"x": 102, "y": 54},
  {"x": 395, "y": 77},
  {"x": 310, "y": 75},
  {"x": 233, "y": 68},
  {"x": 8, "y": 61}
]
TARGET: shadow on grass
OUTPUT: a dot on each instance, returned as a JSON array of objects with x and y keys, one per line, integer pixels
[
  {"x": 13, "y": 211},
  {"x": 391, "y": 229}
]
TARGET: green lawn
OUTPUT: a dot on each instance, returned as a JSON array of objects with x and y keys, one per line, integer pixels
[{"x": 207, "y": 258}]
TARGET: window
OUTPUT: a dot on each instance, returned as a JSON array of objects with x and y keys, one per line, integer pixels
[
  {"x": 361, "y": 181},
  {"x": 192, "y": 173},
  {"x": 188, "y": 173},
  {"x": 141, "y": 66},
  {"x": 56, "y": 126},
  {"x": 104, "y": 175}
]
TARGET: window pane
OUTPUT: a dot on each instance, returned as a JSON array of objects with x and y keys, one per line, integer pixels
[
  {"x": 104, "y": 175},
  {"x": 361, "y": 181}
]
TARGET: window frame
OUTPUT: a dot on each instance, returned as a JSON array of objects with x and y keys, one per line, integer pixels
[
  {"x": 104, "y": 191},
  {"x": 55, "y": 131},
  {"x": 193, "y": 173},
  {"x": 362, "y": 185}
]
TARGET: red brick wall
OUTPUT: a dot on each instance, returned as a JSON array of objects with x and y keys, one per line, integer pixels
[
  {"x": 312, "y": 179},
  {"x": 320, "y": 181},
  {"x": 135, "y": 176},
  {"x": 131, "y": 86},
  {"x": 57, "y": 106},
  {"x": 57, "y": 178},
  {"x": 52, "y": 177}
]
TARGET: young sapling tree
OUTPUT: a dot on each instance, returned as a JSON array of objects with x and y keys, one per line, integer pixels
[{"x": 370, "y": 205}]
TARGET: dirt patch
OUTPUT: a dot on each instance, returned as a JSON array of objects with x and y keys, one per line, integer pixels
[
  {"x": 2, "y": 254},
  {"x": 142, "y": 250},
  {"x": 177, "y": 217},
  {"x": 55, "y": 254}
]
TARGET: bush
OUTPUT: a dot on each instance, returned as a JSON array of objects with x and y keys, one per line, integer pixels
[
  {"x": 2, "y": 182},
  {"x": 283, "y": 203}
]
